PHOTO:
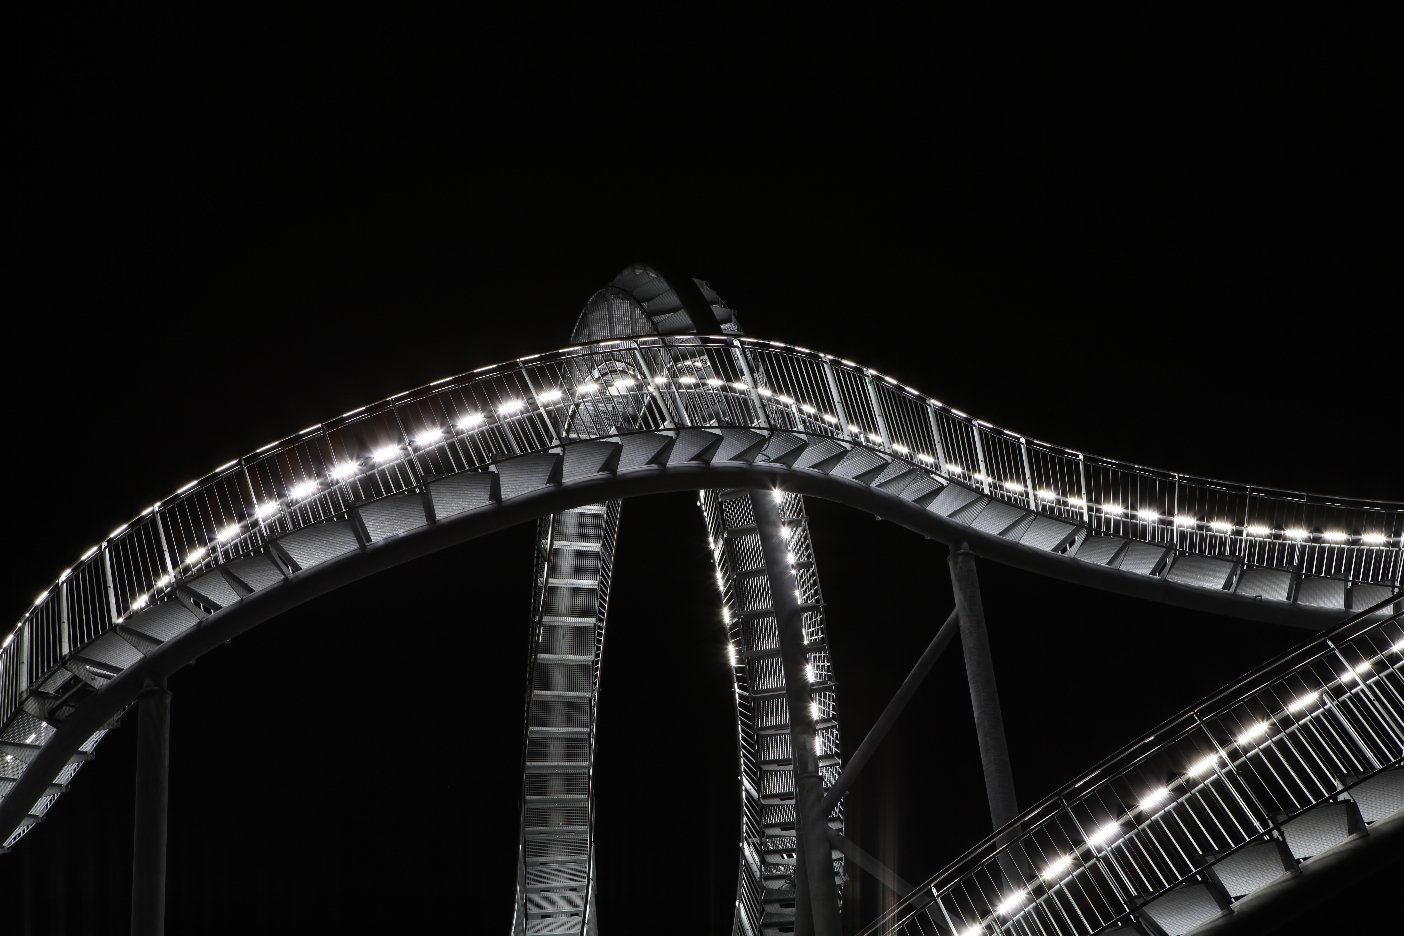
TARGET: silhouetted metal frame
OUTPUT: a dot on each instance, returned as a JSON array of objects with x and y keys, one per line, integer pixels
[{"x": 113, "y": 698}]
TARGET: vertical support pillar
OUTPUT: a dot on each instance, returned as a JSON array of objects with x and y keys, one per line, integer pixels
[
  {"x": 810, "y": 821},
  {"x": 979, "y": 670},
  {"x": 152, "y": 795}
]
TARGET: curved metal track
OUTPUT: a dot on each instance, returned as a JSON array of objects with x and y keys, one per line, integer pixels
[{"x": 555, "y": 432}]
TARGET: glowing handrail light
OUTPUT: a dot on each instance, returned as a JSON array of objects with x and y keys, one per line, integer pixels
[
  {"x": 1201, "y": 767},
  {"x": 429, "y": 436},
  {"x": 549, "y": 396},
  {"x": 1154, "y": 798},
  {"x": 339, "y": 472},
  {"x": 1057, "y": 868},
  {"x": 228, "y": 533},
  {"x": 1012, "y": 902},
  {"x": 587, "y": 387},
  {"x": 474, "y": 419},
  {"x": 1254, "y": 731},
  {"x": 511, "y": 406},
  {"x": 386, "y": 453},
  {"x": 1304, "y": 702},
  {"x": 1105, "y": 834},
  {"x": 305, "y": 489}
]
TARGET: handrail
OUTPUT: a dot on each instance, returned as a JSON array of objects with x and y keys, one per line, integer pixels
[
  {"x": 1361, "y": 654},
  {"x": 467, "y": 423}
]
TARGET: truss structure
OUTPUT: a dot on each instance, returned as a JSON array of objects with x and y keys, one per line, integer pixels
[{"x": 638, "y": 406}]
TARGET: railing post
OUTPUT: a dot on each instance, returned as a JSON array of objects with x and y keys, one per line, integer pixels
[
  {"x": 152, "y": 797},
  {"x": 811, "y": 823},
  {"x": 877, "y": 411},
  {"x": 839, "y": 410}
]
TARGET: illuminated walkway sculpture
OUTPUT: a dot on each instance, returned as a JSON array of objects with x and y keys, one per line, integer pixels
[{"x": 1302, "y": 757}]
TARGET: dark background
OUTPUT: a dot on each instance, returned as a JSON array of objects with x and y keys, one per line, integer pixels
[{"x": 1180, "y": 255}]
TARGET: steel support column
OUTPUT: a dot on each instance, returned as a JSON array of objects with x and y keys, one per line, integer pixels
[
  {"x": 811, "y": 824},
  {"x": 979, "y": 671},
  {"x": 152, "y": 796}
]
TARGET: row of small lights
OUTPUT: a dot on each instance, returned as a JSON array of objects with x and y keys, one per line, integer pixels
[
  {"x": 1058, "y": 868},
  {"x": 512, "y": 407}
]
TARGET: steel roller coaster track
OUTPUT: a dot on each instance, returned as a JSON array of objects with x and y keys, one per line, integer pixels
[{"x": 1178, "y": 830}]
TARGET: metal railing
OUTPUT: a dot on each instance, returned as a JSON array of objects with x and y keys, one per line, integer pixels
[
  {"x": 615, "y": 387},
  {"x": 1231, "y": 771}
]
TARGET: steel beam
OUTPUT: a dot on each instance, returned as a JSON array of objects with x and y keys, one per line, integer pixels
[
  {"x": 302, "y": 585},
  {"x": 979, "y": 670},
  {"x": 894, "y": 708},
  {"x": 811, "y": 824},
  {"x": 152, "y": 797},
  {"x": 885, "y": 875}
]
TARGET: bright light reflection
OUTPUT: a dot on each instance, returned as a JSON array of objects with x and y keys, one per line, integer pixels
[
  {"x": 923, "y": 457},
  {"x": 1105, "y": 834},
  {"x": 807, "y": 408},
  {"x": 305, "y": 489},
  {"x": 1256, "y": 730},
  {"x": 267, "y": 510},
  {"x": 785, "y": 532},
  {"x": 1155, "y": 798},
  {"x": 814, "y": 710},
  {"x": 1333, "y": 536},
  {"x": 228, "y": 533},
  {"x": 1047, "y": 495},
  {"x": 954, "y": 469},
  {"x": 687, "y": 380},
  {"x": 1012, "y": 902},
  {"x": 1013, "y": 486},
  {"x": 1257, "y": 531},
  {"x": 140, "y": 601},
  {"x": 164, "y": 581},
  {"x": 1112, "y": 509},
  {"x": 875, "y": 437},
  {"x": 386, "y": 453},
  {"x": 714, "y": 382},
  {"x": 778, "y": 495},
  {"x": 1295, "y": 534},
  {"x": 1186, "y": 521},
  {"x": 1305, "y": 701},
  {"x": 899, "y": 447},
  {"x": 1198, "y": 768},
  {"x": 623, "y": 381},
  {"x": 1056, "y": 869},
  {"x": 809, "y": 672},
  {"x": 1373, "y": 539},
  {"x": 431, "y": 436},
  {"x": 1148, "y": 515},
  {"x": 511, "y": 406},
  {"x": 660, "y": 380},
  {"x": 340, "y": 472},
  {"x": 853, "y": 428},
  {"x": 196, "y": 556},
  {"x": 786, "y": 400},
  {"x": 549, "y": 396},
  {"x": 587, "y": 387},
  {"x": 973, "y": 931},
  {"x": 738, "y": 385},
  {"x": 1219, "y": 526},
  {"x": 474, "y": 419}
]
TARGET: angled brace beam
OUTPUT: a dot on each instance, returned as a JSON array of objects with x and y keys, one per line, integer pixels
[
  {"x": 984, "y": 696},
  {"x": 894, "y": 708},
  {"x": 885, "y": 875}
]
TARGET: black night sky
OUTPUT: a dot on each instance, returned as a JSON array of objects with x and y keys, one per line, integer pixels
[{"x": 1156, "y": 256}]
